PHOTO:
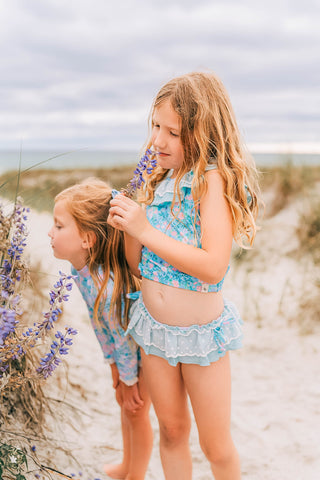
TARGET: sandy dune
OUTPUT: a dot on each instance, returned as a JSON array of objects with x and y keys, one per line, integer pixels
[{"x": 276, "y": 388}]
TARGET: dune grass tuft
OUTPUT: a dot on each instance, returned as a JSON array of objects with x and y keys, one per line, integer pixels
[
  {"x": 308, "y": 230},
  {"x": 287, "y": 182},
  {"x": 39, "y": 187}
]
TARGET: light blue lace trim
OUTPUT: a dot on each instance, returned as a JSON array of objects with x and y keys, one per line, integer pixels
[
  {"x": 199, "y": 344},
  {"x": 165, "y": 190}
]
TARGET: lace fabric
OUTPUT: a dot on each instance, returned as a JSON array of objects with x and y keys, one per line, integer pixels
[{"x": 199, "y": 344}]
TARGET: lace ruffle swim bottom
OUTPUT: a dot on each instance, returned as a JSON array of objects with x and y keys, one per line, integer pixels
[{"x": 198, "y": 344}]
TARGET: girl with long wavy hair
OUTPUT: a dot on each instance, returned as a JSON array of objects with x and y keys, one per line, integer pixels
[
  {"x": 81, "y": 235},
  {"x": 201, "y": 196}
]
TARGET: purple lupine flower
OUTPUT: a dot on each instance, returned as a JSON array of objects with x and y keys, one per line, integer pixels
[
  {"x": 30, "y": 336},
  {"x": 57, "y": 296},
  {"x": 8, "y": 323},
  {"x": 145, "y": 165},
  {"x": 14, "y": 342},
  {"x": 3, "y": 368},
  {"x": 10, "y": 267},
  {"x": 18, "y": 241},
  {"x": 61, "y": 347},
  {"x": 6, "y": 266}
]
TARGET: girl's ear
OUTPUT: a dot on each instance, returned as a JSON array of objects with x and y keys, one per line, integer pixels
[{"x": 88, "y": 240}]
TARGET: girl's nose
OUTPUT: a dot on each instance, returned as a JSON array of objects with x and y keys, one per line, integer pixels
[
  {"x": 50, "y": 232},
  {"x": 159, "y": 141}
]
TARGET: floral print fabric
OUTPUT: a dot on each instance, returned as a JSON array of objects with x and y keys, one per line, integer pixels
[
  {"x": 183, "y": 224},
  {"x": 116, "y": 346}
]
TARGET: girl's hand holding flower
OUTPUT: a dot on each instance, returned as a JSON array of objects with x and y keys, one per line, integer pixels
[
  {"x": 128, "y": 216},
  {"x": 125, "y": 214}
]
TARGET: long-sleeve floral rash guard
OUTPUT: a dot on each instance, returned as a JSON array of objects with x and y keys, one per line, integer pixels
[{"x": 116, "y": 347}]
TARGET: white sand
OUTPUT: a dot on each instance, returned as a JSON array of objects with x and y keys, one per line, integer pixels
[{"x": 276, "y": 388}]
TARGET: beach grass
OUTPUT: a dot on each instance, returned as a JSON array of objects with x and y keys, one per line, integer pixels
[
  {"x": 39, "y": 187},
  {"x": 287, "y": 181},
  {"x": 30, "y": 345},
  {"x": 308, "y": 230}
]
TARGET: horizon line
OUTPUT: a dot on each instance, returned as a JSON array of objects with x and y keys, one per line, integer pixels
[
  {"x": 284, "y": 147},
  {"x": 253, "y": 147}
]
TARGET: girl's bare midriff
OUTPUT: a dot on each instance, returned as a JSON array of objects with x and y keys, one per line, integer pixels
[{"x": 180, "y": 307}]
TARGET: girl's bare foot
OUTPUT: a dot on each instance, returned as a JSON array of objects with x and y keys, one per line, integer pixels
[{"x": 118, "y": 472}]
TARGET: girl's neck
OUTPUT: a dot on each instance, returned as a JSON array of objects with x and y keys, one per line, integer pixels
[{"x": 79, "y": 263}]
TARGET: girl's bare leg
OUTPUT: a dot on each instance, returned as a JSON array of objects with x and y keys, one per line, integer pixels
[
  {"x": 209, "y": 389},
  {"x": 169, "y": 399},
  {"x": 120, "y": 471},
  {"x": 141, "y": 435}
]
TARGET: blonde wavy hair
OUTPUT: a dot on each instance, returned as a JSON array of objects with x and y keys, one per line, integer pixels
[
  {"x": 88, "y": 203},
  {"x": 209, "y": 134}
]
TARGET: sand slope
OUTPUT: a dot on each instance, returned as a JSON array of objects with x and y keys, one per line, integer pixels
[{"x": 276, "y": 388}]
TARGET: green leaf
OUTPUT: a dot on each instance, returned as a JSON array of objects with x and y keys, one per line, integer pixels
[{"x": 20, "y": 477}]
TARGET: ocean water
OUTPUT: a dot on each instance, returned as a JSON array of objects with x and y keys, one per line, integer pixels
[
  {"x": 57, "y": 160},
  {"x": 10, "y": 160}
]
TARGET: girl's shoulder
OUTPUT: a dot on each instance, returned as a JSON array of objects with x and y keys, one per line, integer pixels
[{"x": 84, "y": 275}]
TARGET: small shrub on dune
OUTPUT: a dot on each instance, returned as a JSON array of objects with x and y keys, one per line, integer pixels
[
  {"x": 308, "y": 230},
  {"x": 288, "y": 181}
]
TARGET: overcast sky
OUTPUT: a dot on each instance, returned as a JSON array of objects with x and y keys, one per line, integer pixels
[{"x": 82, "y": 74}]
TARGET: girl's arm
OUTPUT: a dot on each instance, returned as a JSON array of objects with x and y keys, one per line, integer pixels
[
  {"x": 133, "y": 253},
  {"x": 125, "y": 353},
  {"x": 208, "y": 263},
  {"x": 118, "y": 350},
  {"x": 125, "y": 368}
]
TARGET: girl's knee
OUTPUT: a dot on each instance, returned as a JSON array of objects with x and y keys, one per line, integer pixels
[
  {"x": 174, "y": 433},
  {"x": 219, "y": 454}
]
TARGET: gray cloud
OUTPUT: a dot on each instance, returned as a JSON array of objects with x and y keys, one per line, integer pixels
[{"x": 82, "y": 73}]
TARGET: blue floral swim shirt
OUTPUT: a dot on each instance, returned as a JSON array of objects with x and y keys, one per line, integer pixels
[{"x": 116, "y": 346}]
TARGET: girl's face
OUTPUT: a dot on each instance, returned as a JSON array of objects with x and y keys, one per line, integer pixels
[
  {"x": 67, "y": 242},
  {"x": 165, "y": 137}
]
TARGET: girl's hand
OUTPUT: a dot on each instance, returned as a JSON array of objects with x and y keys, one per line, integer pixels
[
  {"x": 128, "y": 216},
  {"x": 131, "y": 397}
]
